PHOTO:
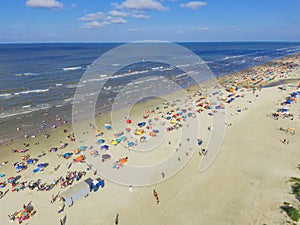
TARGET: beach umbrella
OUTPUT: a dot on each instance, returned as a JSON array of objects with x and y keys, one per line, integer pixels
[
  {"x": 114, "y": 142},
  {"x": 79, "y": 158},
  {"x": 129, "y": 121},
  {"x": 41, "y": 165},
  {"x": 118, "y": 140},
  {"x": 139, "y": 132},
  {"x": 106, "y": 156},
  {"x": 123, "y": 138},
  {"x": 107, "y": 126},
  {"x": 100, "y": 141},
  {"x": 156, "y": 131},
  {"x": 67, "y": 155},
  {"x": 130, "y": 144},
  {"x": 141, "y": 124},
  {"x": 168, "y": 117},
  {"x": 30, "y": 161},
  {"x": 82, "y": 148},
  {"x": 123, "y": 160},
  {"x": 19, "y": 167},
  {"x": 152, "y": 133},
  {"x": 104, "y": 147},
  {"x": 200, "y": 142},
  {"x": 128, "y": 129}
]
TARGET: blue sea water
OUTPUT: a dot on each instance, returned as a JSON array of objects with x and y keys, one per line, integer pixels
[{"x": 39, "y": 80}]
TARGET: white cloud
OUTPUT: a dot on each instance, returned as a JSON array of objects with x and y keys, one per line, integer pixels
[
  {"x": 119, "y": 20},
  {"x": 117, "y": 13},
  {"x": 142, "y": 5},
  {"x": 193, "y": 5},
  {"x": 91, "y": 25},
  {"x": 73, "y": 5},
  {"x": 92, "y": 16},
  {"x": 202, "y": 29},
  {"x": 140, "y": 16},
  {"x": 44, "y": 4}
]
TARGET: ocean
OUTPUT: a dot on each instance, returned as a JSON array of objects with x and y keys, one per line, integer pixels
[{"x": 38, "y": 81}]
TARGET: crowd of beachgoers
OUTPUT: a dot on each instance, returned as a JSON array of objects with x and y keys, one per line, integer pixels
[{"x": 25, "y": 168}]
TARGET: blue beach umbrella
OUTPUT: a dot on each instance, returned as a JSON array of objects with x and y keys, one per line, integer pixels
[
  {"x": 100, "y": 141},
  {"x": 104, "y": 147},
  {"x": 30, "y": 161},
  {"x": 19, "y": 167},
  {"x": 107, "y": 126},
  {"x": 123, "y": 138},
  {"x": 141, "y": 124},
  {"x": 130, "y": 144},
  {"x": 41, "y": 165}
]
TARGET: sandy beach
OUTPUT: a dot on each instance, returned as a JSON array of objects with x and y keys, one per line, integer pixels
[{"x": 245, "y": 184}]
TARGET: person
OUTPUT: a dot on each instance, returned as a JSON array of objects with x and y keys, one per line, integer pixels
[
  {"x": 52, "y": 199},
  {"x": 156, "y": 196},
  {"x": 61, "y": 221},
  {"x": 117, "y": 219}
]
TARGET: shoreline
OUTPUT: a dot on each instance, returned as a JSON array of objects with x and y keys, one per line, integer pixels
[{"x": 49, "y": 127}]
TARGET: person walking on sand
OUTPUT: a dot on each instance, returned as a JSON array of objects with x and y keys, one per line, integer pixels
[
  {"x": 117, "y": 219},
  {"x": 156, "y": 196}
]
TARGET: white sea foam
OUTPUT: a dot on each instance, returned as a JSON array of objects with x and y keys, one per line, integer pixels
[
  {"x": 6, "y": 96},
  {"x": 72, "y": 68},
  {"x": 32, "y": 91},
  {"x": 24, "y": 110},
  {"x": 233, "y": 57},
  {"x": 26, "y": 74}
]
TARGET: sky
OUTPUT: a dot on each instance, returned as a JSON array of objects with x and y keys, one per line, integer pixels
[{"x": 136, "y": 20}]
